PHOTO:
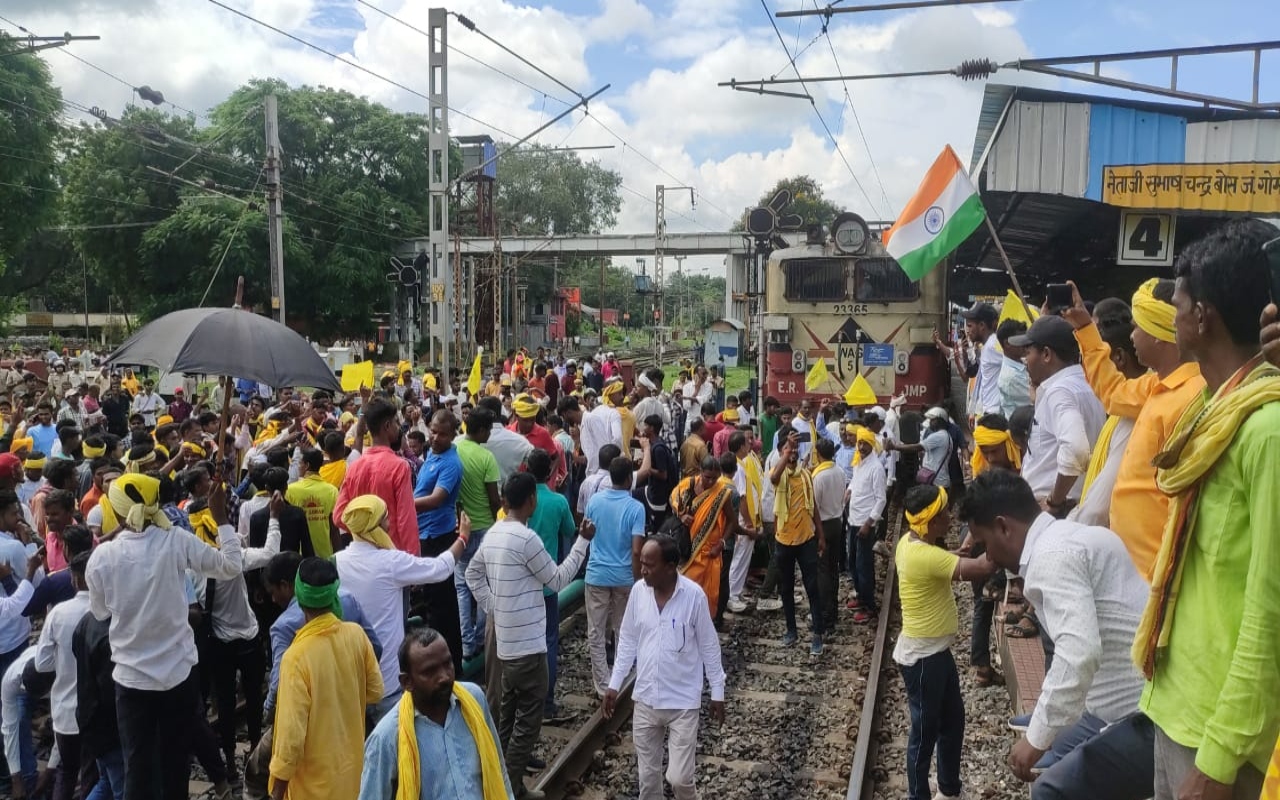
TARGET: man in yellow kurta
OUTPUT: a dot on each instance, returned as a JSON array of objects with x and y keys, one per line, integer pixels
[
  {"x": 327, "y": 677},
  {"x": 797, "y": 541},
  {"x": 1154, "y": 401}
]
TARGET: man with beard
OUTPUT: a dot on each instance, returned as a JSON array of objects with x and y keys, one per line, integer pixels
[
  {"x": 436, "y": 715},
  {"x": 381, "y": 471}
]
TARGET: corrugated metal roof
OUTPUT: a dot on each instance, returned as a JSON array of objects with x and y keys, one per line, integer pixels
[
  {"x": 1233, "y": 140},
  {"x": 1042, "y": 148},
  {"x": 1122, "y": 135}
]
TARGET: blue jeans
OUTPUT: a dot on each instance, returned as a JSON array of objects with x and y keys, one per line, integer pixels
[
  {"x": 552, "y": 603},
  {"x": 470, "y": 614},
  {"x": 937, "y": 720},
  {"x": 110, "y": 784},
  {"x": 862, "y": 563},
  {"x": 1117, "y": 763}
]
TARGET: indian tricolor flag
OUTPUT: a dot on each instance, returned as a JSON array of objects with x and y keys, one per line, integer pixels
[{"x": 941, "y": 215}]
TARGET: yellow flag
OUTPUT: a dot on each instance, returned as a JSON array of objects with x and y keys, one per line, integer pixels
[
  {"x": 860, "y": 392},
  {"x": 818, "y": 375},
  {"x": 475, "y": 380},
  {"x": 1013, "y": 309},
  {"x": 356, "y": 375}
]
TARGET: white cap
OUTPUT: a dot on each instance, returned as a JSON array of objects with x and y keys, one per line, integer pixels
[
  {"x": 935, "y": 413},
  {"x": 877, "y": 411}
]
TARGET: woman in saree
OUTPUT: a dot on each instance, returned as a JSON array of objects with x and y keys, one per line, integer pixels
[{"x": 704, "y": 503}]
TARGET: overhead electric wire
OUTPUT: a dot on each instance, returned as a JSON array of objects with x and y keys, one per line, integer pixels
[
  {"x": 471, "y": 26},
  {"x": 230, "y": 241},
  {"x": 849, "y": 100},
  {"x": 814, "y": 105},
  {"x": 357, "y": 66},
  {"x": 463, "y": 53}
]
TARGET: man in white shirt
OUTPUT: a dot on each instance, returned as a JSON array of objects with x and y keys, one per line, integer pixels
[
  {"x": 600, "y": 426},
  {"x": 507, "y": 575},
  {"x": 1068, "y": 419},
  {"x": 980, "y": 326},
  {"x": 508, "y": 447},
  {"x": 137, "y": 579},
  {"x": 749, "y": 482},
  {"x": 1090, "y": 598},
  {"x": 53, "y": 654},
  {"x": 829, "y": 486},
  {"x": 868, "y": 494},
  {"x": 668, "y": 635},
  {"x": 376, "y": 573},
  {"x": 148, "y": 403},
  {"x": 597, "y": 480}
]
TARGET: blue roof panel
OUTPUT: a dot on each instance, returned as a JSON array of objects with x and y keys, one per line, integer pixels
[{"x": 1120, "y": 135}]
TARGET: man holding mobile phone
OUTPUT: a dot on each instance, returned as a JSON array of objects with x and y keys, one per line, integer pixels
[{"x": 980, "y": 326}]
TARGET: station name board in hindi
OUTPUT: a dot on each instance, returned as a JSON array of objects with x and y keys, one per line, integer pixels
[{"x": 1243, "y": 187}]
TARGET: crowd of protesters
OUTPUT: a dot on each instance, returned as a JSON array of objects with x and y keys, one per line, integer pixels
[{"x": 320, "y": 572}]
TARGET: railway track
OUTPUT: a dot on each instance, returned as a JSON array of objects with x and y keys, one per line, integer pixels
[{"x": 795, "y": 726}]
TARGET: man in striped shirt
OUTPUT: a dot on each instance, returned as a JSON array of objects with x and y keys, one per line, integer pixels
[{"x": 507, "y": 575}]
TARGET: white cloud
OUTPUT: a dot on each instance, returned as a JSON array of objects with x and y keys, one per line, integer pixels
[{"x": 731, "y": 145}]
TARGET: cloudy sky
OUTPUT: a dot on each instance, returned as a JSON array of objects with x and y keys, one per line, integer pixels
[{"x": 665, "y": 114}]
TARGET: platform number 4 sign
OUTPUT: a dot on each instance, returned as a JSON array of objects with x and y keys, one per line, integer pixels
[{"x": 1146, "y": 238}]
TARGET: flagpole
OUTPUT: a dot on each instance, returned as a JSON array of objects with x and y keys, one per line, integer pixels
[{"x": 1008, "y": 267}]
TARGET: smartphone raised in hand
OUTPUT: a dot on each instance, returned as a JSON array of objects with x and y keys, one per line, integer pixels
[{"x": 1059, "y": 297}]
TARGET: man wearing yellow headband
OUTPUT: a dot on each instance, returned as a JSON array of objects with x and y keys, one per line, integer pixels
[
  {"x": 929, "y": 626},
  {"x": 867, "y": 497},
  {"x": 137, "y": 580},
  {"x": 798, "y": 540},
  {"x": 1155, "y": 402},
  {"x": 526, "y": 424}
]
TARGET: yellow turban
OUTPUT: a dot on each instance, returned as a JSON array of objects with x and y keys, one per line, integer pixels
[
  {"x": 730, "y": 415},
  {"x": 192, "y": 447},
  {"x": 920, "y": 522},
  {"x": 136, "y": 500},
  {"x": 363, "y": 519},
  {"x": 34, "y": 463},
  {"x": 1154, "y": 317},
  {"x": 864, "y": 435},
  {"x": 18, "y": 445},
  {"x": 990, "y": 437},
  {"x": 163, "y": 419},
  {"x": 135, "y": 467},
  {"x": 611, "y": 390},
  {"x": 525, "y": 406},
  {"x": 90, "y": 451}
]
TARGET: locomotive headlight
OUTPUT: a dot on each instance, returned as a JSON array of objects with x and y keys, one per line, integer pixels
[{"x": 850, "y": 234}]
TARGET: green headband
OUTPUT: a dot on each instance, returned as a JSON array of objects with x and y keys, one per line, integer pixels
[{"x": 313, "y": 597}]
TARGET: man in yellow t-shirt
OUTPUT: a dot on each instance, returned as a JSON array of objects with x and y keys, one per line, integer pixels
[
  {"x": 929, "y": 623},
  {"x": 316, "y": 498},
  {"x": 797, "y": 543}
]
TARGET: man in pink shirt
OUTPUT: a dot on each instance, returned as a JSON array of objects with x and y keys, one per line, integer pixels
[
  {"x": 720, "y": 441},
  {"x": 526, "y": 424},
  {"x": 380, "y": 470}
]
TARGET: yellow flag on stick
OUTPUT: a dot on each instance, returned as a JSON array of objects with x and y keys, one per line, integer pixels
[
  {"x": 475, "y": 380},
  {"x": 1015, "y": 310},
  {"x": 818, "y": 375},
  {"x": 356, "y": 375},
  {"x": 860, "y": 392}
]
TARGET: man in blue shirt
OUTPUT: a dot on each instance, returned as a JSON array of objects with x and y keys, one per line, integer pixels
[
  {"x": 439, "y": 728},
  {"x": 41, "y": 430},
  {"x": 614, "y": 564},
  {"x": 435, "y": 497},
  {"x": 278, "y": 577}
]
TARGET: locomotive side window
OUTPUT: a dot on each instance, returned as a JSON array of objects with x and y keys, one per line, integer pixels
[
  {"x": 881, "y": 280},
  {"x": 815, "y": 280}
]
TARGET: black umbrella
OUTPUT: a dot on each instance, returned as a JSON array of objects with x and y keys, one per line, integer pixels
[{"x": 227, "y": 341}]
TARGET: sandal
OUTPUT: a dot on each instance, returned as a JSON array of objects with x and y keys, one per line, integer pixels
[
  {"x": 984, "y": 677},
  {"x": 863, "y": 617},
  {"x": 1024, "y": 628}
]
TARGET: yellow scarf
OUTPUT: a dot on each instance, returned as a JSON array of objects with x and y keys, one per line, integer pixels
[
  {"x": 205, "y": 529},
  {"x": 110, "y": 522},
  {"x": 989, "y": 437},
  {"x": 363, "y": 520},
  {"x": 1271, "y": 789},
  {"x": 754, "y": 473},
  {"x": 782, "y": 497},
  {"x": 823, "y": 467},
  {"x": 1098, "y": 459},
  {"x": 1204, "y": 432},
  {"x": 409, "y": 763},
  {"x": 333, "y": 472},
  {"x": 920, "y": 522},
  {"x": 269, "y": 431},
  {"x": 865, "y": 435}
]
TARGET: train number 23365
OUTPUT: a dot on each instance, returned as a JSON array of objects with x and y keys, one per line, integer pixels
[{"x": 851, "y": 308}]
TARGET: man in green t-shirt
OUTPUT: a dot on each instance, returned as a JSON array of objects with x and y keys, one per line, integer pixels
[{"x": 478, "y": 496}]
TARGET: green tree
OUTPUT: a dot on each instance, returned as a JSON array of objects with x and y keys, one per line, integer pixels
[
  {"x": 543, "y": 192},
  {"x": 807, "y": 200},
  {"x": 30, "y": 110}
]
